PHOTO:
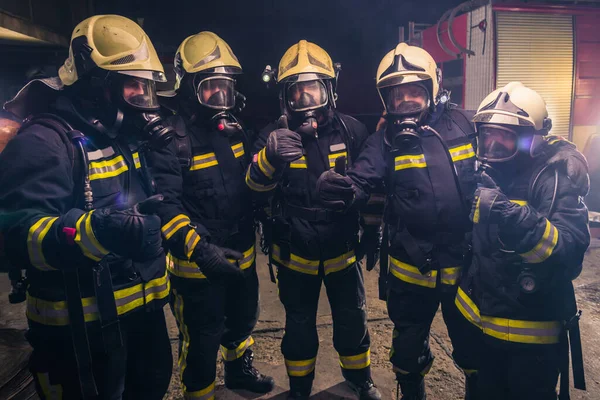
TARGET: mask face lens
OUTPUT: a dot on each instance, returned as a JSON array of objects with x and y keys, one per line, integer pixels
[
  {"x": 307, "y": 95},
  {"x": 217, "y": 92},
  {"x": 140, "y": 93},
  {"x": 405, "y": 99},
  {"x": 497, "y": 143}
]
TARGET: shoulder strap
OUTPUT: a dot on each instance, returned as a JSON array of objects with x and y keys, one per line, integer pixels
[{"x": 348, "y": 137}]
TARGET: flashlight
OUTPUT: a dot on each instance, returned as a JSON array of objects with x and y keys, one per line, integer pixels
[{"x": 268, "y": 75}]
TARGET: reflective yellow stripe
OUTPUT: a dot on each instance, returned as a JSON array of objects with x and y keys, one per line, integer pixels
[
  {"x": 339, "y": 263},
  {"x": 519, "y": 202},
  {"x": 476, "y": 212},
  {"x": 203, "y": 161},
  {"x": 544, "y": 248},
  {"x": 257, "y": 187},
  {"x": 189, "y": 269},
  {"x": 175, "y": 224},
  {"x": 264, "y": 164},
  {"x": 207, "y": 393},
  {"x": 136, "y": 160},
  {"x": 51, "y": 392},
  {"x": 410, "y": 161},
  {"x": 86, "y": 239},
  {"x": 449, "y": 276},
  {"x": 462, "y": 152},
  {"x": 296, "y": 263},
  {"x": 423, "y": 372},
  {"x": 359, "y": 361},
  {"x": 299, "y": 163},
  {"x": 238, "y": 150},
  {"x": 35, "y": 239},
  {"x": 301, "y": 367},
  {"x": 191, "y": 240},
  {"x": 408, "y": 273},
  {"x": 510, "y": 330},
  {"x": 230, "y": 355},
  {"x": 184, "y": 343},
  {"x": 108, "y": 168},
  {"x": 333, "y": 157},
  {"x": 56, "y": 313}
]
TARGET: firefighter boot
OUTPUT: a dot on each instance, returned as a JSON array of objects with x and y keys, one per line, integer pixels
[
  {"x": 412, "y": 386},
  {"x": 240, "y": 374},
  {"x": 300, "y": 387},
  {"x": 365, "y": 390},
  {"x": 471, "y": 386}
]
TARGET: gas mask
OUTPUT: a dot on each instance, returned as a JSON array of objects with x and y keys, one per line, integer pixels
[
  {"x": 304, "y": 101},
  {"x": 406, "y": 107}
]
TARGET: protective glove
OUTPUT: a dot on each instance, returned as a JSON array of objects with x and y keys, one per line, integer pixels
[
  {"x": 369, "y": 246},
  {"x": 133, "y": 233},
  {"x": 575, "y": 163},
  {"x": 335, "y": 190},
  {"x": 214, "y": 261},
  {"x": 240, "y": 102},
  {"x": 283, "y": 146},
  {"x": 491, "y": 205}
]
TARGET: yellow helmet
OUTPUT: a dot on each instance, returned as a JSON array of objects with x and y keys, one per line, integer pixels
[
  {"x": 511, "y": 119},
  {"x": 408, "y": 64},
  {"x": 207, "y": 53},
  {"x": 112, "y": 43},
  {"x": 303, "y": 58},
  {"x": 514, "y": 104}
]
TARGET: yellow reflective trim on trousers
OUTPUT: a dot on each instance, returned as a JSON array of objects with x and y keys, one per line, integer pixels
[
  {"x": 544, "y": 248},
  {"x": 334, "y": 156},
  {"x": 410, "y": 161},
  {"x": 51, "y": 392},
  {"x": 56, "y": 313},
  {"x": 184, "y": 343},
  {"x": 136, "y": 160},
  {"x": 203, "y": 161},
  {"x": 174, "y": 225},
  {"x": 264, "y": 165},
  {"x": 359, "y": 361},
  {"x": 234, "y": 354},
  {"x": 410, "y": 274},
  {"x": 300, "y": 368},
  {"x": 238, "y": 150},
  {"x": 108, "y": 168},
  {"x": 257, "y": 187},
  {"x": 35, "y": 240},
  {"x": 467, "y": 308},
  {"x": 299, "y": 163},
  {"x": 296, "y": 263},
  {"x": 86, "y": 239},
  {"x": 208, "y": 393},
  {"x": 339, "y": 263},
  {"x": 449, "y": 276},
  {"x": 462, "y": 152},
  {"x": 191, "y": 241},
  {"x": 476, "y": 212}
]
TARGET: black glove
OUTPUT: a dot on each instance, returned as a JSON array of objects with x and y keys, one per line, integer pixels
[
  {"x": 576, "y": 165},
  {"x": 335, "y": 190},
  {"x": 491, "y": 204},
  {"x": 369, "y": 246},
  {"x": 213, "y": 262},
  {"x": 283, "y": 146},
  {"x": 133, "y": 233},
  {"x": 240, "y": 102}
]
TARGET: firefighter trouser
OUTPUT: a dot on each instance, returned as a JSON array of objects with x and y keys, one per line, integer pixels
[
  {"x": 299, "y": 293},
  {"x": 140, "y": 369},
  {"x": 209, "y": 315},
  {"x": 527, "y": 373},
  {"x": 412, "y": 312}
]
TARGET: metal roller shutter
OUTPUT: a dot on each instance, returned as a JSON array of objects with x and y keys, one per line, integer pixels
[{"x": 537, "y": 49}]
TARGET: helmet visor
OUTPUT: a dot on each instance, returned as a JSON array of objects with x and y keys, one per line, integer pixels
[
  {"x": 217, "y": 92},
  {"x": 497, "y": 143},
  {"x": 140, "y": 93},
  {"x": 306, "y": 95},
  {"x": 405, "y": 99}
]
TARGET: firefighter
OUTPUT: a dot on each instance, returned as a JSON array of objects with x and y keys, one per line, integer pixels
[
  {"x": 309, "y": 243},
  {"x": 208, "y": 224},
  {"x": 530, "y": 234},
  {"x": 77, "y": 212},
  {"x": 424, "y": 156}
]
